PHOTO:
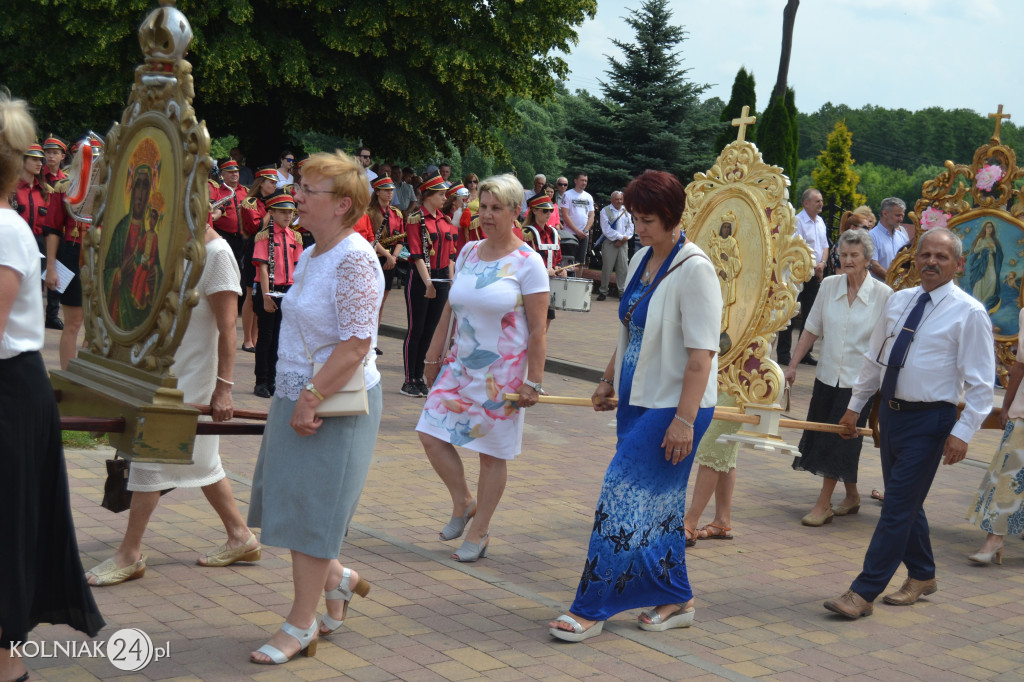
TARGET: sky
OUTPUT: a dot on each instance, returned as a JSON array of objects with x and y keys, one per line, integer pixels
[{"x": 908, "y": 54}]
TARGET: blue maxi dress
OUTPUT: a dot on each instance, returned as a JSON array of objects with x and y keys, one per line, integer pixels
[{"x": 637, "y": 553}]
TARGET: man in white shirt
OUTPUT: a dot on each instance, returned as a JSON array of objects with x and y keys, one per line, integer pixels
[
  {"x": 577, "y": 209},
  {"x": 616, "y": 231},
  {"x": 363, "y": 154},
  {"x": 932, "y": 345},
  {"x": 404, "y": 192},
  {"x": 811, "y": 227},
  {"x": 539, "y": 180},
  {"x": 888, "y": 235}
]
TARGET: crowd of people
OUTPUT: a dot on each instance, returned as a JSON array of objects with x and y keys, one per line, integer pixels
[{"x": 307, "y": 254}]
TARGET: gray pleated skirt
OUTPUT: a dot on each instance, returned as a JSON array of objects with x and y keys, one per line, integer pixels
[{"x": 306, "y": 488}]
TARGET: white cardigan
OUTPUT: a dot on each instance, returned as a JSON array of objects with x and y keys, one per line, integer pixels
[{"x": 685, "y": 311}]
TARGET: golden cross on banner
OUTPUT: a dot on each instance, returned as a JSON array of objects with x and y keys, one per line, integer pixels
[
  {"x": 998, "y": 116},
  {"x": 745, "y": 120}
]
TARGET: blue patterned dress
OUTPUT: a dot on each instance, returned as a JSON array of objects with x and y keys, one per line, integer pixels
[{"x": 637, "y": 553}]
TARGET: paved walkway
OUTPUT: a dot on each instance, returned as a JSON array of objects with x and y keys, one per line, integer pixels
[{"x": 759, "y": 597}]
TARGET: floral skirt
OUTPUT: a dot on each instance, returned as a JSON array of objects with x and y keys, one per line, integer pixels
[{"x": 997, "y": 506}]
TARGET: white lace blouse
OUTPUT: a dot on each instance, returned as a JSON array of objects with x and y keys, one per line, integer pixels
[{"x": 336, "y": 296}]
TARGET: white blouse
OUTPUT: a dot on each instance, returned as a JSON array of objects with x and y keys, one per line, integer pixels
[
  {"x": 347, "y": 281},
  {"x": 18, "y": 251},
  {"x": 844, "y": 327}
]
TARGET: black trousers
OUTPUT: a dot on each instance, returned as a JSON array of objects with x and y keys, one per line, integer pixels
[
  {"x": 422, "y": 315},
  {"x": 806, "y": 298},
  {"x": 52, "y": 297},
  {"x": 269, "y": 325}
]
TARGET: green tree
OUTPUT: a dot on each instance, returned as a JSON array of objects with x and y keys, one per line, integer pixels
[
  {"x": 656, "y": 109},
  {"x": 742, "y": 95},
  {"x": 403, "y": 76},
  {"x": 776, "y": 142},
  {"x": 794, "y": 131},
  {"x": 834, "y": 176},
  {"x": 589, "y": 144}
]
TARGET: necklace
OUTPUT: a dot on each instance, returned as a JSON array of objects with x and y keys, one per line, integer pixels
[{"x": 648, "y": 273}]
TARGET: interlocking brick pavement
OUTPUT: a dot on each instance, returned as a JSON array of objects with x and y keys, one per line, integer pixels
[{"x": 427, "y": 617}]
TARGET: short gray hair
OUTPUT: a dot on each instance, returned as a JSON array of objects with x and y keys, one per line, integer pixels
[
  {"x": 958, "y": 246},
  {"x": 506, "y": 188},
  {"x": 858, "y": 237},
  {"x": 807, "y": 194},
  {"x": 892, "y": 201},
  {"x": 541, "y": 177}
]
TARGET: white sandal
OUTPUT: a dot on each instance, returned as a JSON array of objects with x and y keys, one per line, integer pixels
[
  {"x": 344, "y": 592},
  {"x": 307, "y": 644},
  {"x": 578, "y": 634},
  {"x": 683, "y": 618}
]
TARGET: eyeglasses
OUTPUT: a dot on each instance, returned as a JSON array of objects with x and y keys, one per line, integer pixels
[
  {"x": 561, "y": 184},
  {"x": 305, "y": 189},
  {"x": 545, "y": 210},
  {"x": 289, "y": 159},
  {"x": 474, "y": 182}
]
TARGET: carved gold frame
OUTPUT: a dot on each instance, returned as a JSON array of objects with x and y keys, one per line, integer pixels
[
  {"x": 160, "y": 103},
  {"x": 954, "y": 191},
  {"x": 775, "y": 260}
]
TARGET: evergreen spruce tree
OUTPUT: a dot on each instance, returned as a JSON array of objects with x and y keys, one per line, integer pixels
[
  {"x": 775, "y": 137},
  {"x": 655, "y": 108},
  {"x": 834, "y": 175},
  {"x": 742, "y": 95},
  {"x": 794, "y": 133}
]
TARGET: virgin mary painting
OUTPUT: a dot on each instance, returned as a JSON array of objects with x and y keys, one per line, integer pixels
[{"x": 984, "y": 263}]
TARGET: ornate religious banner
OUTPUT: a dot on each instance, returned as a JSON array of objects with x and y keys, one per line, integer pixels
[
  {"x": 144, "y": 253},
  {"x": 739, "y": 213},
  {"x": 979, "y": 203}
]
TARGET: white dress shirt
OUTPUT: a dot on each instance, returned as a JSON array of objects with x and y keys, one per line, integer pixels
[
  {"x": 623, "y": 228},
  {"x": 886, "y": 244},
  {"x": 844, "y": 327},
  {"x": 813, "y": 232},
  {"x": 951, "y": 357}
]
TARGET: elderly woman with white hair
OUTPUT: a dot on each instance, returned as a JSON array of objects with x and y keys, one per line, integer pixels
[
  {"x": 500, "y": 300},
  {"x": 843, "y": 315}
]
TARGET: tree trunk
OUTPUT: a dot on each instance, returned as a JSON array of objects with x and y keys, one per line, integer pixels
[{"x": 788, "y": 19}]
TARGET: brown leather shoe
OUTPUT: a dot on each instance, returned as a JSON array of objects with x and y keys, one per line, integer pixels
[
  {"x": 851, "y": 605},
  {"x": 911, "y": 591}
]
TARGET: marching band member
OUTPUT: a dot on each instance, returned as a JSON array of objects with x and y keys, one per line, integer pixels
[
  {"x": 431, "y": 239},
  {"x": 542, "y": 237},
  {"x": 254, "y": 219},
  {"x": 33, "y": 205},
  {"x": 68, "y": 251},
  {"x": 276, "y": 250},
  {"x": 232, "y": 194},
  {"x": 388, "y": 225}
]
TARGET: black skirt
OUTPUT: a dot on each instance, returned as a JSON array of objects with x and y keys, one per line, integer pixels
[
  {"x": 41, "y": 576},
  {"x": 829, "y": 454}
]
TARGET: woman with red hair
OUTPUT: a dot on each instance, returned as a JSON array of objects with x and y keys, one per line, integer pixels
[{"x": 664, "y": 368}]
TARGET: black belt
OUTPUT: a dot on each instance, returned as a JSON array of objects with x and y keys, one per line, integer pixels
[
  {"x": 277, "y": 288},
  {"x": 440, "y": 273},
  {"x": 897, "y": 405}
]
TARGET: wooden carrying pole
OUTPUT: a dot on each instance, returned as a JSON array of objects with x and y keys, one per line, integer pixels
[{"x": 721, "y": 414}]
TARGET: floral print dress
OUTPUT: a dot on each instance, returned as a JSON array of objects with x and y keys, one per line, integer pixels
[{"x": 488, "y": 358}]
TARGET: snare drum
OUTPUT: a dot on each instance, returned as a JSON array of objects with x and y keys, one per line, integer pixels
[{"x": 571, "y": 293}]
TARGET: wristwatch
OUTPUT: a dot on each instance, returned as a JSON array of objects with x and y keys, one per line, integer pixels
[
  {"x": 312, "y": 389},
  {"x": 535, "y": 385}
]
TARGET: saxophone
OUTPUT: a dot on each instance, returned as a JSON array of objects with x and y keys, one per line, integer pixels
[
  {"x": 271, "y": 265},
  {"x": 388, "y": 242},
  {"x": 380, "y": 230},
  {"x": 428, "y": 246}
]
